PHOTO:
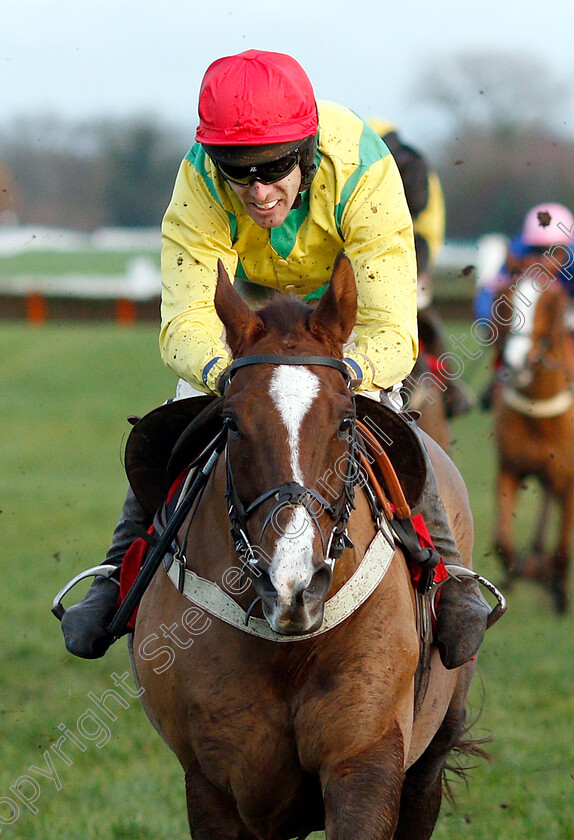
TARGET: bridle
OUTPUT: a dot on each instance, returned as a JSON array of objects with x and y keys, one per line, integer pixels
[
  {"x": 516, "y": 381},
  {"x": 291, "y": 493},
  {"x": 537, "y": 357}
]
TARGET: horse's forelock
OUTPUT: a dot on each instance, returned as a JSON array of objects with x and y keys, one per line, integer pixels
[
  {"x": 286, "y": 322},
  {"x": 285, "y": 315}
]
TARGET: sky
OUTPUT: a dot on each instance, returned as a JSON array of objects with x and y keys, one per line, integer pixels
[{"x": 119, "y": 58}]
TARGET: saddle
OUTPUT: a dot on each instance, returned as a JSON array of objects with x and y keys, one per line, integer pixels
[{"x": 163, "y": 443}]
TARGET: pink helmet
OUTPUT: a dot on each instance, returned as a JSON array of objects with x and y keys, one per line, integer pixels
[{"x": 548, "y": 224}]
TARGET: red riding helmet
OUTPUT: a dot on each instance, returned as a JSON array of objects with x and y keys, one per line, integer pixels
[
  {"x": 255, "y": 98},
  {"x": 256, "y": 107}
]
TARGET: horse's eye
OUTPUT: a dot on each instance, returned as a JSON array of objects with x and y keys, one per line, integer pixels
[
  {"x": 231, "y": 425},
  {"x": 345, "y": 425}
]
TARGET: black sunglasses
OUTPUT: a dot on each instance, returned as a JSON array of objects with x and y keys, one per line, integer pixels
[{"x": 266, "y": 173}]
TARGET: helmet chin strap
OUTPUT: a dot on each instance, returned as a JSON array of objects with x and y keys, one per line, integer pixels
[
  {"x": 307, "y": 175},
  {"x": 298, "y": 201}
]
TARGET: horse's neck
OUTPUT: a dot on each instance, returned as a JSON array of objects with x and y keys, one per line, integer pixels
[
  {"x": 554, "y": 374},
  {"x": 568, "y": 357}
]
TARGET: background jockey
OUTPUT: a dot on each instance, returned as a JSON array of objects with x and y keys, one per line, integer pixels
[
  {"x": 425, "y": 200},
  {"x": 275, "y": 186},
  {"x": 546, "y": 240}
]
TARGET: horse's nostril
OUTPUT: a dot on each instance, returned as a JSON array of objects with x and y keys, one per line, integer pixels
[
  {"x": 319, "y": 585},
  {"x": 263, "y": 582}
]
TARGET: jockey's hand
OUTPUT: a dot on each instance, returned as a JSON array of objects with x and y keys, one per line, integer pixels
[
  {"x": 222, "y": 381},
  {"x": 213, "y": 371},
  {"x": 356, "y": 374}
]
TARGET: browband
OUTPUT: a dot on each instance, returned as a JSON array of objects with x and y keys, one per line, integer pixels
[{"x": 272, "y": 359}]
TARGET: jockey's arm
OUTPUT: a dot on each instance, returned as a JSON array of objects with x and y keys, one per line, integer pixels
[
  {"x": 378, "y": 239},
  {"x": 195, "y": 234}
]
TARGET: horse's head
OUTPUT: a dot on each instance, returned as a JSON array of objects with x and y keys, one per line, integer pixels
[
  {"x": 538, "y": 319},
  {"x": 290, "y": 457}
]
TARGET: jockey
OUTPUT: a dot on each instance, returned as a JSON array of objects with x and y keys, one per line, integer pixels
[
  {"x": 425, "y": 200},
  {"x": 545, "y": 241},
  {"x": 275, "y": 186}
]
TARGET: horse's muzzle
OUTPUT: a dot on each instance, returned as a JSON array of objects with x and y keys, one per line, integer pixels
[{"x": 297, "y": 609}]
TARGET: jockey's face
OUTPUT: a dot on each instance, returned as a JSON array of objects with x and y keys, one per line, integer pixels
[
  {"x": 269, "y": 204},
  {"x": 541, "y": 258}
]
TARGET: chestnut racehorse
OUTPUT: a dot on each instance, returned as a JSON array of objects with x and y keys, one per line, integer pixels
[
  {"x": 298, "y": 724},
  {"x": 534, "y": 431},
  {"x": 421, "y": 393}
]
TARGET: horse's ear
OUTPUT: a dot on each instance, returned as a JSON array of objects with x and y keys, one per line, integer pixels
[
  {"x": 336, "y": 312},
  {"x": 241, "y": 324}
]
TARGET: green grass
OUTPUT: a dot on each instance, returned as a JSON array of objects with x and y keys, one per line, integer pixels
[
  {"x": 66, "y": 393},
  {"x": 69, "y": 262},
  {"x": 446, "y": 284}
]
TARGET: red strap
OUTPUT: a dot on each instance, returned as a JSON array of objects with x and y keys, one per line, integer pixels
[
  {"x": 136, "y": 553},
  {"x": 425, "y": 541}
]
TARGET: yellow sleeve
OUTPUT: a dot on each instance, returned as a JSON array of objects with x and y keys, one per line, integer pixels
[
  {"x": 195, "y": 234},
  {"x": 430, "y": 222},
  {"x": 378, "y": 236}
]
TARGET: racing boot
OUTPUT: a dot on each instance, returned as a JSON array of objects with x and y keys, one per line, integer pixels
[
  {"x": 462, "y": 611},
  {"x": 487, "y": 396},
  {"x": 85, "y": 625},
  {"x": 458, "y": 398}
]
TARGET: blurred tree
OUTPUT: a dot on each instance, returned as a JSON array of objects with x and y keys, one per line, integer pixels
[
  {"x": 10, "y": 199},
  {"x": 92, "y": 174},
  {"x": 497, "y": 90},
  {"x": 138, "y": 167},
  {"x": 51, "y": 165},
  {"x": 490, "y": 181},
  {"x": 504, "y": 153}
]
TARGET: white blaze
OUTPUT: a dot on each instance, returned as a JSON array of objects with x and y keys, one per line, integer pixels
[
  {"x": 293, "y": 389},
  {"x": 524, "y": 299}
]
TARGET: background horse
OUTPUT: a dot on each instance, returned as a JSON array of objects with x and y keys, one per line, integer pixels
[
  {"x": 534, "y": 431},
  {"x": 421, "y": 392},
  {"x": 295, "y": 729}
]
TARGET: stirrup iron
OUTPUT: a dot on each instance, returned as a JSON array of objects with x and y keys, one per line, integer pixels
[
  {"x": 106, "y": 570},
  {"x": 456, "y": 572}
]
